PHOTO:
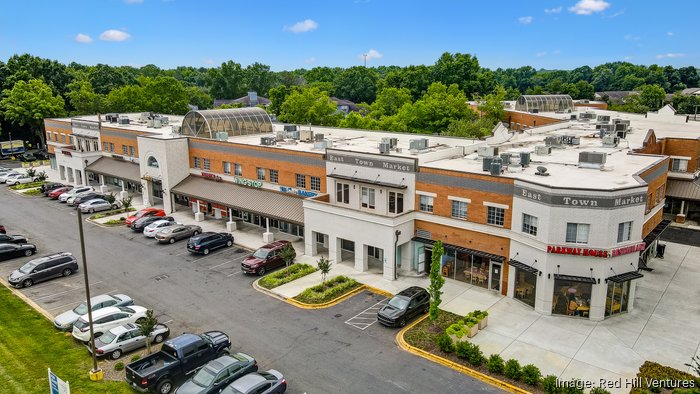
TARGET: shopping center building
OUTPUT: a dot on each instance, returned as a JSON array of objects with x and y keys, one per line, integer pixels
[{"x": 560, "y": 214}]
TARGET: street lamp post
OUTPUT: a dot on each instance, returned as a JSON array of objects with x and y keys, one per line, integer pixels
[{"x": 95, "y": 373}]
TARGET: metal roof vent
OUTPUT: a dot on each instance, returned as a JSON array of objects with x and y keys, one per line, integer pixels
[{"x": 542, "y": 171}]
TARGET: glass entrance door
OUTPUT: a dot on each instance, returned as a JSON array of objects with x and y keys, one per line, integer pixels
[{"x": 495, "y": 276}]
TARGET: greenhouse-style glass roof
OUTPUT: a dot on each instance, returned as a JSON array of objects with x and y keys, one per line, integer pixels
[
  {"x": 212, "y": 123},
  {"x": 544, "y": 103}
]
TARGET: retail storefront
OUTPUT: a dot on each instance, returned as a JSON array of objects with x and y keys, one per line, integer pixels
[
  {"x": 525, "y": 282},
  {"x": 115, "y": 171}
]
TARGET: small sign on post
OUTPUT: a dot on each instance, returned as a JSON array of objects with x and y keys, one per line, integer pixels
[{"x": 56, "y": 385}]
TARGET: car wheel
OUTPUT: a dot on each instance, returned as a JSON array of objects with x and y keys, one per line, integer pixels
[
  {"x": 115, "y": 354},
  {"x": 67, "y": 272},
  {"x": 426, "y": 309},
  {"x": 261, "y": 271},
  {"x": 28, "y": 252},
  {"x": 172, "y": 240},
  {"x": 91, "y": 210},
  {"x": 229, "y": 243},
  {"x": 402, "y": 322},
  {"x": 115, "y": 206},
  {"x": 165, "y": 386},
  {"x": 195, "y": 232},
  {"x": 27, "y": 283},
  {"x": 205, "y": 251},
  {"x": 158, "y": 338}
]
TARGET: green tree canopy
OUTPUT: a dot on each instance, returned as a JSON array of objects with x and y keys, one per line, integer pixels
[
  {"x": 199, "y": 97},
  {"x": 83, "y": 98},
  {"x": 433, "y": 112},
  {"x": 459, "y": 68},
  {"x": 28, "y": 103},
  {"x": 259, "y": 78},
  {"x": 389, "y": 101},
  {"x": 227, "y": 81},
  {"x": 358, "y": 84},
  {"x": 309, "y": 105}
]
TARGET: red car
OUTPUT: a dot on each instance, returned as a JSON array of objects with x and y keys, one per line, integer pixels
[
  {"x": 266, "y": 258},
  {"x": 57, "y": 192},
  {"x": 143, "y": 213}
]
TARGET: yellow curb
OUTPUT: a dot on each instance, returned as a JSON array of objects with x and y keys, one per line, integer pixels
[
  {"x": 26, "y": 299},
  {"x": 379, "y": 291},
  {"x": 328, "y": 304},
  {"x": 457, "y": 367}
]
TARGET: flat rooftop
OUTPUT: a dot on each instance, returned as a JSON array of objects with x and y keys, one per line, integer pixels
[{"x": 135, "y": 123}]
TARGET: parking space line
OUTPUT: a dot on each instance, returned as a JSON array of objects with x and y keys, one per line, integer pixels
[
  {"x": 63, "y": 292},
  {"x": 185, "y": 252},
  {"x": 230, "y": 275},
  {"x": 229, "y": 261},
  {"x": 361, "y": 325}
]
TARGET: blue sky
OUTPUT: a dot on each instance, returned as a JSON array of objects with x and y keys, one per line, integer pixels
[{"x": 294, "y": 34}]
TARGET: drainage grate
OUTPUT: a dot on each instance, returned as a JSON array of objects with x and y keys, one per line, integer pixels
[{"x": 161, "y": 277}]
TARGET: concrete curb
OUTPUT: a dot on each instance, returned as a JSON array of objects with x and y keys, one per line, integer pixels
[
  {"x": 457, "y": 367},
  {"x": 27, "y": 300},
  {"x": 263, "y": 290}
]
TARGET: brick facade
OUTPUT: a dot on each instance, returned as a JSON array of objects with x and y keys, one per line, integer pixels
[
  {"x": 518, "y": 120},
  {"x": 54, "y": 129},
  {"x": 125, "y": 138}
]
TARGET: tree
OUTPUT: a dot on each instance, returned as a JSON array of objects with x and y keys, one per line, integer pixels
[
  {"x": 126, "y": 99},
  {"x": 652, "y": 96},
  {"x": 460, "y": 69},
  {"x": 277, "y": 95},
  {"x": 324, "y": 265},
  {"x": 470, "y": 128},
  {"x": 227, "y": 81},
  {"x": 165, "y": 95},
  {"x": 586, "y": 91},
  {"x": 126, "y": 203},
  {"x": 288, "y": 254},
  {"x": 309, "y": 105},
  {"x": 358, "y": 84},
  {"x": 433, "y": 112},
  {"x": 416, "y": 79},
  {"x": 28, "y": 103},
  {"x": 83, "y": 98},
  {"x": 146, "y": 327},
  {"x": 491, "y": 105},
  {"x": 104, "y": 78},
  {"x": 26, "y": 67},
  {"x": 389, "y": 101},
  {"x": 436, "y": 280},
  {"x": 198, "y": 97},
  {"x": 259, "y": 78}
]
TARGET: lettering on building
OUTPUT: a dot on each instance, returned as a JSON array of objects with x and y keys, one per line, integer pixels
[
  {"x": 247, "y": 182},
  {"x": 629, "y": 249},
  {"x": 580, "y": 201},
  {"x": 531, "y": 195},
  {"x": 300, "y": 192},
  {"x": 629, "y": 200},
  {"x": 589, "y": 252},
  {"x": 399, "y": 164},
  {"x": 213, "y": 177}
]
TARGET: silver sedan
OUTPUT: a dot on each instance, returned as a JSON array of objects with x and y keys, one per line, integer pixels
[
  {"x": 177, "y": 232},
  {"x": 98, "y": 204},
  {"x": 126, "y": 338}
]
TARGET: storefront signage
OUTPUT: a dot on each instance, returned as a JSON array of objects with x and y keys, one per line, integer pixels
[
  {"x": 575, "y": 251},
  {"x": 407, "y": 165},
  {"x": 67, "y": 153},
  {"x": 247, "y": 182},
  {"x": 211, "y": 176},
  {"x": 577, "y": 201},
  {"x": 87, "y": 129},
  {"x": 301, "y": 192}
]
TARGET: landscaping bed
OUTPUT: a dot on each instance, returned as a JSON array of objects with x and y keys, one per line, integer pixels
[
  {"x": 23, "y": 186},
  {"x": 33, "y": 192},
  {"x": 25, "y": 358},
  {"x": 651, "y": 373},
  {"x": 115, "y": 222},
  {"x": 110, "y": 213},
  {"x": 328, "y": 291},
  {"x": 286, "y": 275}
]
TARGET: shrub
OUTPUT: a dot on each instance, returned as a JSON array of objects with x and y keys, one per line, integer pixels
[
  {"x": 495, "y": 364},
  {"x": 31, "y": 171},
  {"x": 573, "y": 386},
  {"x": 135, "y": 357},
  {"x": 119, "y": 366},
  {"x": 549, "y": 385},
  {"x": 33, "y": 192},
  {"x": 327, "y": 291},
  {"x": 286, "y": 275},
  {"x": 512, "y": 369},
  {"x": 42, "y": 176},
  {"x": 462, "y": 349},
  {"x": 475, "y": 356},
  {"x": 599, "y": 390},
  {"x": 650, "y": 371},
  {"x": 531, "y": 375},
  {"x": 444, "y": 342},
  {"x": 457, "y": 329}
]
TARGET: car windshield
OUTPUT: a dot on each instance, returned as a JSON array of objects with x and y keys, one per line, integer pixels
[
  {"x": 107, "y": 337},
  {"x": 80, "y": 324},
  {"x": 27, "y": 268},
  {"x": 125, "y": 309},
  {"x": 399, "y": 302},
  {"x": 81, "y": 309},
  {"x": 204, "y": 377},
  {"x": 261, "y": 253},
  {"x": 230, "y": 390}
]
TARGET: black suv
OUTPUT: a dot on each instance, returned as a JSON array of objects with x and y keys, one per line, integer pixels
[
  {"x": 404, "y": 306},
  {"x": 44, "y": 268},
  {"x": 205, "y": 242}
]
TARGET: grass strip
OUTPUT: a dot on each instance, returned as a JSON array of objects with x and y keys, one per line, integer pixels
[
  {"x": 286, "y": 275},
  {"x": 328, "y": 291}
]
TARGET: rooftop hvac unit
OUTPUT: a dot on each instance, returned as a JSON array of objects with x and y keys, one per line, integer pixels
[
  {"x": 290, "y": 127},
  {"x": 505, "y": 158},
  {"x": 157, "y": 123},
  {"x": 393, "y": 142},
  {"x": 543, "y": 150},
  {"x": 574, "y": 116},
  {"x": 123, "y": 120},
  {"x": 418, "y": 144},
  {"x": 164, "y": 120},
  {"x": 486, "y": 163},
  {"x": 616, "y": 120},
  {"x": 525, "y": 158},
  {"x": 176, "y": 129},
  {"x": 221, "y": 136},
  {"x": 625, "y": 121},
  {"x": 514, "y": 160},
  {"x": 620, "y": 127},
  {"x": 112, "y": 117},
  {"x": 542, "y": 171},
  {"x": 496, "y": 168},
  {"x": 323, "y": 144},
  {"x": 319, "y": 137},
  {"x": 611, "y": 140},
  {"x": 149, "y": 123},
  {"x": 487, "y": 151},
  {"x": 604, "y": 118},
  {"x": 571, "y": 140},
  {"x": 306, "y": 135},
  {"x": 622, "y": 135},
  {"x": 281, "y": 135},
  {"x": 267, "y": 141},
  {"x": 144, "y": 116},
  {"x": 552, "y": 141},
  {"x": 384, "y": 148},
  {"x": 596, "y": 159}
]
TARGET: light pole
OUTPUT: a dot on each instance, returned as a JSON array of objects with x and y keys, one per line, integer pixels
[{"x": 95, "y": 373}]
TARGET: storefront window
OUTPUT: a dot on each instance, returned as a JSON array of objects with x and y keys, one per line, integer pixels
[
  {"x": 525, "y": 286},
  {"x": 466, "y": 267},
  {"x": 571, "y": 298},
  {"x": 617, "y": 298}
]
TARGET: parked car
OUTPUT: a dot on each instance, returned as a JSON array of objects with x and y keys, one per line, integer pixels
[
  {"x": 126, "y": 338},
  {"x": 265, "y": 258},
  {"x": 206, "y": 242},
  {"x": 46, "y": 188},
  {"x": 56, "y": 193},
  {"x": 12, "y": 239},
  {"x": 65, "y": 320},
  {"x": 44, "y": 268},
  {"x": 10, "y": 179},
  {"x": 72, "y": 192},
  {"x": 177, "y": 232},
  {"x": 218, "y": 373},
  {"x": 2, "y": 229},
  {"x": 142, "y": 213},
  {"x": 268, "y": 382},
  {"x": 404, "y": 306},
  {"x": 85, "y": 196},
  {"x": 27, "y": 157},
  {"x": 5, "y": 175},
  {"x": 105, "y": 319},
  {"x": 151, "y": 229},
  {"x": 140, "y": 224},
  {"x": 175, "y": 360},
  {"x": 98, "y": 204},
  {"x": 8, "y": 251},
  {"x": 20, "y": 179}
]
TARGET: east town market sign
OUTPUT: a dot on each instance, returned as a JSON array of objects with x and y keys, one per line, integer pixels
[
  {"x": 580, "y": 201},
  {"x": 399, "y": 164}
]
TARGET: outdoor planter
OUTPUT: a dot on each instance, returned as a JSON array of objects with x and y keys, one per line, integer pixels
[
  {"x": 472, "y": 329},
  {"x": 483, "y": 321}
]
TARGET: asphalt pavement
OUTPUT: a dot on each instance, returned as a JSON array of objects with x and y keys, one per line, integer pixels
[
  {"x": 681, "y": 235},
  {"x": 316, "y": 350}
]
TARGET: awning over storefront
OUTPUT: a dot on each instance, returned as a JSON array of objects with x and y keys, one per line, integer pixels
[
  {"x": 376, "y": 182},
  {"x": 523, "y": 266},
  {"x": 460, "y": 249},
  {"x": 683, "y": 190},
  {"x": 656, "y": 232},
  {"x": 571, "y": 278},
  {"x": 272, "y": 204},
  {"x": 625, "y": 277},
  {"x": 116, "y": 168}
]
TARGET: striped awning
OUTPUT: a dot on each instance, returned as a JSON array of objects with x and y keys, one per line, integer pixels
[
  {"x": 684, "y": 190},
  {"x": 283, "y": 206},
  {"x": 116, "y": 168}
]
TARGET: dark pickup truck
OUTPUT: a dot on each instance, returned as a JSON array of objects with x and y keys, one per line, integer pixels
[{"x": 177, "y": 358}]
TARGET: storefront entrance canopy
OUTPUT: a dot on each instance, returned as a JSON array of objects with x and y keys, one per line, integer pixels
[
  {"x": 461, "y": 249},
  {"x": 268, "y": 203},
  {"x": 656, "y": 232},
  {"x": 625, "y": 277},
  {"x": 571, "y": 278},
  {"x": 522, "y": 266},
  {"x": 116, "y": 168}
]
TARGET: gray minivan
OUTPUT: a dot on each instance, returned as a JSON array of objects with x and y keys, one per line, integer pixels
[{"x": 44, "y": 268}]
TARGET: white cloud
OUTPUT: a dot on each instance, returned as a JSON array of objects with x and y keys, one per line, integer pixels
[
  {"x": 670, "y": 34},
  {"x": 310, "y": 60},
  {"x": 525, "y": 20},
  {"x": 371, "y": 55},
  {"x": 555, "y": 10},
  {"x": 588, "y": 7},
  {"x": 615, "y": 15},
  {"x": 303, "y": 26},
  {"x": 114, "y": 35},
  {"x": 631, "y": 37},
  {"x": 82, "y": 38},
  {"x": 541, "y": 54},
  {"x": 670, "y": 55},
  {"x": 208, "y": 61},
  {"x": 133, "y": 1}
]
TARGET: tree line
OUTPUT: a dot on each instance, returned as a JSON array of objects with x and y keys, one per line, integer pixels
[{"x": 422, "y": 98}]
